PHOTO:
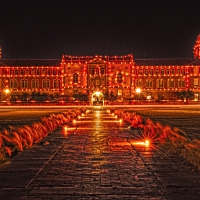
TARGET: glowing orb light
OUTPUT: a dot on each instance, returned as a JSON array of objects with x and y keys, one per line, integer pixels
[
  {"x": 147, "y": 143},
  {"x": 138, "y": 90},
  {"x": 7, "y": 91}
]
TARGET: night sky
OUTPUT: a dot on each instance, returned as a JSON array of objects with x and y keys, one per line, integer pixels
[{"x": 38, "y": 29}]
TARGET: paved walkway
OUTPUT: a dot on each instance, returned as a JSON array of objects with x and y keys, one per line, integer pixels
[{"x": 96, "y": 158}]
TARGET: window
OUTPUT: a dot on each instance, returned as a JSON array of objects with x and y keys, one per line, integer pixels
[
  {"x": 32, "y": 72},
  {"x": 162, "y": 72},
  {"x": 196, "y": 70},
  {"x": 47, "y": 83},
  {"x": 43, "y": 72},
  {"x": 183, "y": 71},
  {"x": 33, "y": 83},
  {"x": 11, "y": 72},
  {"x": 36, "y": 83},
  {"x": 135, "y": 71},
  {"x": 141, "y": 71},
  {"x": 43, "y": 83},
  {"x": 27, "y": 72},
  {"x": 157, "y": 71},
  {"x": 172, "y": 72},
  {"x": 178, "y": 72},
  {"x": 196, "y": 82},
  {"x": 160, "y": 83},
  {"x": 21, "y": 72},
  {"x": 48, "y": 72},
  {"x": 92, "y": 71},
  {"x": 75, "y": 78},
  {"x": 102, "y": 71},
  {"x": 38, "y": 72},
  {"x": 181, "y": 83},
  {"x": 97, "y": 71},
  {"x": 151, "y": 72},
  {"x": 146, "y": 72},
  {"x": 15, "y": 83},
  {"x": 138, "y": 83},
  {"x": 56, "y": 83},
  {"x": 170, "y": 83},
  {"x": 16, "y": 72},
  {"x": 24, "y": 83},
  {"x": 149, "y": 83},
  {"x": 54, "y": 72},
  {"x": 119, "y": 78},
  {"x": 119, "y": 92},
  {"x": 167, "y": 71}
]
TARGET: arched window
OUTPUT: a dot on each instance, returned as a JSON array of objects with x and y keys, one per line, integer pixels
[
  {"x": 48, "y": 83},
  {"x": 43, "y": 83},
  {"x": 16, "y": 72},
  {"x": 36, "y": 83},
  {"x": 92, "y": 71},
  {"x": 33, "y": 83},
  {"x": 48, "y": 72},
  {"x": 160, "y": 83},
  {"x": 54, "y": 72},
  {"x": 21, "y": 72},
  {"x": 162, "y": 72},
  {"x": 181, "y": 83},
  {"x": 32, "y": 72},
  {"x": 149, "y": 83},
  {"x": 43, "y": 72},
  {"x": 22, "y": 83},
  {"x": 11, "y": 83},
  {"x": 97, "y": 70},
  {"x": 54, "y": 83},
  {"x": 170, "y": 83},
  {"x": 102, "y": 71},
  {"x": 26, "y": 83},
  {"x": 38, "y": 72},
  {"x": 27, "y": 72},
  {"x": 138, "y": 83},
  {"x": 75, "y": 78},
  {"x": 119, "y": 78},
  {"x": 15, "y": 83}
]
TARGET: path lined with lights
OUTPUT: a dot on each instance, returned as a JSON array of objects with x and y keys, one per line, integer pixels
[{"x": 97, "y": 157}]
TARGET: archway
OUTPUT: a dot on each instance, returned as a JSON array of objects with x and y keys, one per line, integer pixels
[{"x": 97, "y": 99}]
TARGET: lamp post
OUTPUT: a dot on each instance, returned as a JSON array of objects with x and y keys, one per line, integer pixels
[
  {"x": 7, "y": 93},
  {"x": 138, "y": 92}
]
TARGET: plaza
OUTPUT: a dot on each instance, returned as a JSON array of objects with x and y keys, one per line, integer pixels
[{"x": 97, "y": 157}]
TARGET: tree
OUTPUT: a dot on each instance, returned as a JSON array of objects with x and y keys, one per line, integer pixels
[{"x": 185, "y": 95}]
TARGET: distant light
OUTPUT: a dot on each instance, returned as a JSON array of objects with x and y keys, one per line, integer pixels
[
  {"x": 7, "y": 91},
  {"x": 147, "y": 143},
  {"x": 138, "y": 90}
]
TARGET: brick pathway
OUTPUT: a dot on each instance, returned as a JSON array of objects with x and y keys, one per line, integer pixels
[{"x": 97, "y": 159}]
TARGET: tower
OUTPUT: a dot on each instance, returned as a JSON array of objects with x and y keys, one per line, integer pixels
[
  {"x": 197, "y": 48},
  {"x": 0, "y": 52}
]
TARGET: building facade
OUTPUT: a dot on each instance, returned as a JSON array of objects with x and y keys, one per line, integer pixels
[{"x": 96, "y": 76}]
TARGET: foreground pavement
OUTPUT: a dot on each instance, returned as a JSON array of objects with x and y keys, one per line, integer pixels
[{"x": 97, "y": 157}]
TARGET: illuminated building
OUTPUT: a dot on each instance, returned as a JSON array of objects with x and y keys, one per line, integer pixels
[{"x": 122, "y": 75}]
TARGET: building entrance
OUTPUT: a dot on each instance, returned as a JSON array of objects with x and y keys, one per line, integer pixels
[{"x": 97, "y": 99}]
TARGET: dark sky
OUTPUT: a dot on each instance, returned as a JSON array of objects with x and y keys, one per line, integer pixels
[{"x": 145, "y": 28}]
